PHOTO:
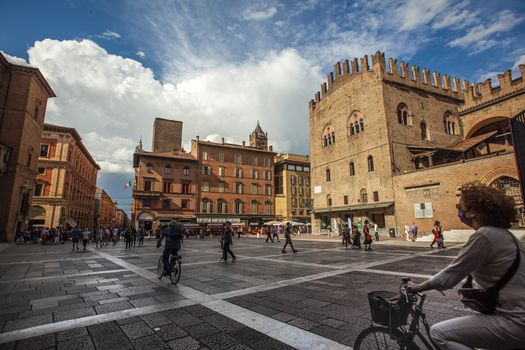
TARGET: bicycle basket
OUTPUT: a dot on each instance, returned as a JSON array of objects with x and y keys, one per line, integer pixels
[{"x": 387, "y": 309}]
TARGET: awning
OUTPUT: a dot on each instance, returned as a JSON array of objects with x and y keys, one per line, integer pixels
[
  {"x": 368, "y": 206},
  {"x": 146, "y": 216}
]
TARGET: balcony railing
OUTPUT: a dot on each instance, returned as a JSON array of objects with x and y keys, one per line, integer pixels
[{"x": 144, "y": 193}]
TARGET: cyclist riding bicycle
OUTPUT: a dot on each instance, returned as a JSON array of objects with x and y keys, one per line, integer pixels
[
  {"x": 174, "y": 237},
  {"x": 488, "y": 255}
]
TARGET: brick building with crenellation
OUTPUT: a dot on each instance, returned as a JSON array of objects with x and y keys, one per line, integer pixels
[{"x": 392, "y": 144}]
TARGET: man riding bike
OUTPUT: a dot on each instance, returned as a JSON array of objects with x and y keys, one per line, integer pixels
[{"x": 174, "y": 239}]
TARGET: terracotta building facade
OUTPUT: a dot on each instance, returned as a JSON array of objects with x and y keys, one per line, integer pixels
[
  {"x": 212, "y": 183},
  {"x": 64, "y": 194},
  {"x": 24, "y": 93},
  {"x": 105, "y": 213},
  {"x": 391, "y": 143},
  {"x": 292, "y": 187}
]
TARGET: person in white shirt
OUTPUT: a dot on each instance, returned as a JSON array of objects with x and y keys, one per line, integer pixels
[{"x": 487, "y": 256}]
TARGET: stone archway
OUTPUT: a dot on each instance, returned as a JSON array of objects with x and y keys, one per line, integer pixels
[
  {"x": 484, "y": 125},
  {"x": 511, "y": 187}
]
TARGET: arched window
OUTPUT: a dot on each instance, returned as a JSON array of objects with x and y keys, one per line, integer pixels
[
  {"x": 328, "y": 137},
  {"x": 356, "y": 123},
  {"x": 186, "y": 171},
  {"x": 221, "y": 206},
  {"x": 450, "y": 123},
  {"x": 239, "y": 207},
  {"x": 205, "y": 206},
  {"x": 510, "y": 186},
  {"x": 370, "y": 163},
  {"x": 149, "y": 168},
  {"x": 268, "y": 208},
  {"x": 424, "y": 131},
  {"x": 327, "y": 175},
  {"x": 364, "y": 196},
  {"x": 255, "y": 206},
  {"x": 352, "y": 169},
  {"x": 403, "y": 114},
  {"x": 328, "y": 200}
]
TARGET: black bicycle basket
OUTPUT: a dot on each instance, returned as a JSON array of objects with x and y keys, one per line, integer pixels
[{"x": 388, "y": 309}]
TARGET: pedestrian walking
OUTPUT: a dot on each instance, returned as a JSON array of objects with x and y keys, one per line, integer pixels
[
  {"x": 330, "y": 231},
  {"x": 75, "y": 237},
  {"x": 356, "y": 237},
  {"x": 275, "y": 230},
  {"x": 86, "y": 235},
  {"x": 98, "y": 237},
  {"x": 239, "y": 231},
  {"x": 436, "y": 231},
  {"x": 346, "y": 236},
  {"x": 133, "y": 237},
  {"x": 407, "y": 232},
  {"x": 368, "y": 237},
  {"x": 376, "y": 231},
  {"x": 268, "y": 234},
  {"x": 127, "y": 238},
  {"x": 227, "y": 238},
  {"x": 414, "y": 231},
  {"x": 141, "y": 237},
  {"x": 287, "y": 236}
]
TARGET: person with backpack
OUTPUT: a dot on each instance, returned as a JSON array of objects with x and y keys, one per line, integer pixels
[
  {"x": 287, "y": 235},
  {"x": 174, "y": 236},
  {"x": 368, "y": 237},
  {"x": 495, "y": 260},
  {"x": 226, "y": 243}
]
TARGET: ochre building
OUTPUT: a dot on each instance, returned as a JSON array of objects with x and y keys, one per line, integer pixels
[
  {"x": 165, "y": 180},
  {"x": 391, "y": 143},
  {"x": 64, "y": 194},
  {"x": 105, "y": 215},
  {"x": 24, "y": 93},
  {"x": 292, "y": 187},
  {"x": 235, "y": 181},
  {"x": 212, "y": 183}
]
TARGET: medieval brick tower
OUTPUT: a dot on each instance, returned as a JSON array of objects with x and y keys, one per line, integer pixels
[{"x": 258, "y": 138}]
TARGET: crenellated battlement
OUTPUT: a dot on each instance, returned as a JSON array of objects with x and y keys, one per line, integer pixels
[
  {"x": 402, "y": 74},
  {"x": 480, "y": 93}
]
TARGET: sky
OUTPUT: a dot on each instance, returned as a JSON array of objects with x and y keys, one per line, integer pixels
[{"x": 221, "y": 65}]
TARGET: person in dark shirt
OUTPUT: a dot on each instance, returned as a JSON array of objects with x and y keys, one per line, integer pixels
[
  {"x": 75, "y": 236},
  {"x": 227, "y": 237},
  {"x": 174, "y": 237},
  {"x": 287, "y": 235}
]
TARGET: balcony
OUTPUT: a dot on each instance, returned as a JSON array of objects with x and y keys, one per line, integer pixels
[{"x": 147, "y": 194}]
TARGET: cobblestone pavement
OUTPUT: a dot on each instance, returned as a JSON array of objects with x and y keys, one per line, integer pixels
[{"x": 52, "y": 297}]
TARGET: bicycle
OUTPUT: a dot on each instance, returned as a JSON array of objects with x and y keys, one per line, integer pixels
[
  {"x": 389, "y": 328},
  {"x": 176, "y": 268}
]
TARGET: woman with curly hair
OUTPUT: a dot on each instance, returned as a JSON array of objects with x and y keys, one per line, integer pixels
[{"x": 489, "y": 254}]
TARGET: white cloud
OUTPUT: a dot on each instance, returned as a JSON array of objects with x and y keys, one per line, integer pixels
[
  {"x": 15, "y": 60},
  {"x": 520, "y": 60},
  {"x": 259, "y": 13},
  {"x": 478, "y": 37},
  {"x": 112, "y": 101},
  {"x": 415, "y": 13},
  {"x": 108, "y": 34},
  {"x": 457, "y": 17},
  {"x": 141, "y": 54}
]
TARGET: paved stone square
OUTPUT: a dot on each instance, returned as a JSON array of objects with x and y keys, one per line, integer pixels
[{"x": 52, "y": 297}]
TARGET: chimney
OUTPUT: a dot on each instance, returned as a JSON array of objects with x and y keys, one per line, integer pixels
[
  {"x": 244, "y": 144},
  {"x": 270, "y": 148},
  {"x": 223, "y": 140},
  {"x": 197, "y": 137}
]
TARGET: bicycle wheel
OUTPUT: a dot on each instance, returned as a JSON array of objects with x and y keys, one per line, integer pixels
[
  {"x": 160, "y": 268},
  {"x": 378, "y": 338},
  {"x": 175, "y": 269}
]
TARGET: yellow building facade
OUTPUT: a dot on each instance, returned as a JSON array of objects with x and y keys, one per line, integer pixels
[
  {"x": 66, "y": 181},
  {"x": 292, "y": 187}
]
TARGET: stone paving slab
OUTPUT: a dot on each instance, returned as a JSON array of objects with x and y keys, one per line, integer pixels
[
  {"x": 191, "y": 327},
  {"x": 43, "y": 285}
]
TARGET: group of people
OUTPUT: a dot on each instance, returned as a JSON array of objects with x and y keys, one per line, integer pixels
[
  {"x": 437, "y": 232},
  {"x": 353, "y": 236},
  {"x": 42, "y": 235}
]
